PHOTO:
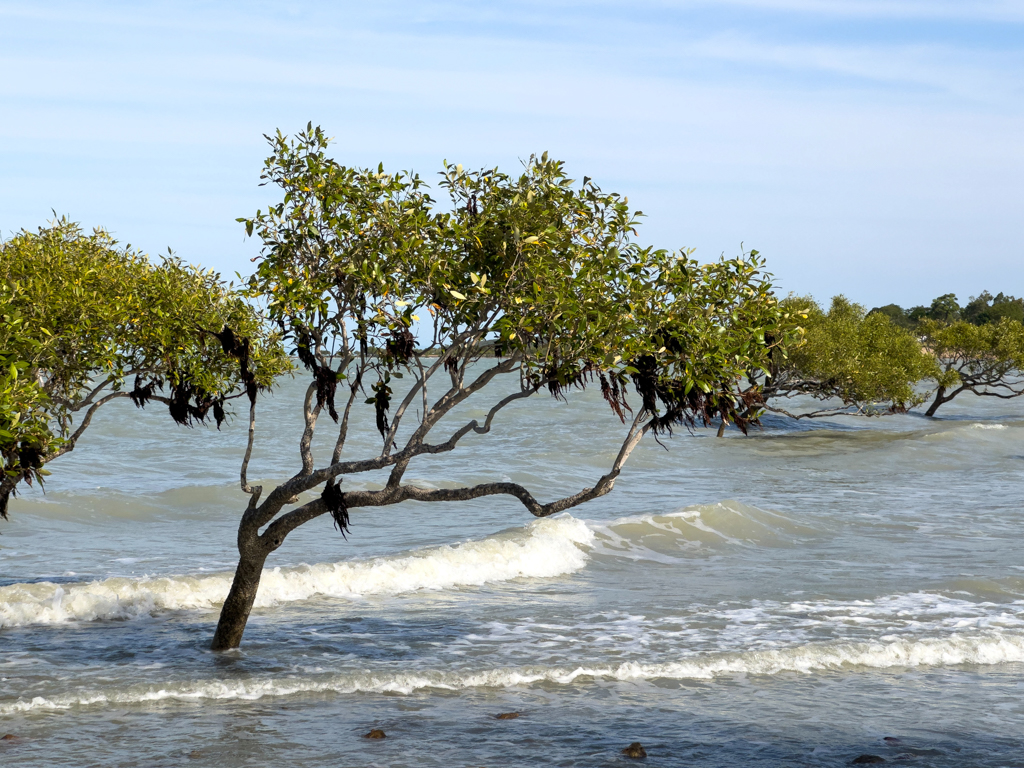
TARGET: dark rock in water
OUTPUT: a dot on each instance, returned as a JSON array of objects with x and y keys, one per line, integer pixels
[
  {"x": 891, "y": 740},
  {"x": 195, "y": 754},
  {"x": 507, "y": 716},
  {"x": 376, "y": 733},
  {"x": 636, "y": 749},
  {"x": 9, "y": 737},
  {"x": 868, "y": 759}
]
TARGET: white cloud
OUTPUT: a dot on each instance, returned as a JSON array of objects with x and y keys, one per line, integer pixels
[{"x": 841, "y": 158}]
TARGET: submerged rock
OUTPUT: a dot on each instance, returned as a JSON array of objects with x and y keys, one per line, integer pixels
[
  {"x": 507, "y": 716},
  {"x": 868, "y": 759},
  {"x": 636, "y": 749},
  {"x": 376, "y": 733},
  {"x": 8, "y": 737}
]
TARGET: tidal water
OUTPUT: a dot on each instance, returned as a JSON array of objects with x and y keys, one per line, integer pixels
[{"x": 809, "y": 593}]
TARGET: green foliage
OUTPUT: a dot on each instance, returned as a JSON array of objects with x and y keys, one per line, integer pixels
[
  {"x": 896, "y": 314},
  {"x": 944, "y": 309},
  {"x": 535, "y": 265},
  {"x": 985, "y": 359},
  {"x": 985, "y": 309},
  {"x": 865, "y": 360},
  {"x": 82, "y": 316},
  {"x": 980, "y": 310},
  {"x": 24, "y": 421}
]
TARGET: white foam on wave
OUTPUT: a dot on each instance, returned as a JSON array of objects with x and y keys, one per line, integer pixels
[
  {"x": 988, "y": 426},
  {"x": 987, "y": 649},
  {"x": 659, "y": 537},
  {"x": 543, "y": 549}
]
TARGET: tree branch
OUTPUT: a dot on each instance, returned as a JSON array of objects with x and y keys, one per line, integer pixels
[
  {"x": 310, "y": 414},
  {"x": 69, "y": 444},
  {"x": 339, "y": 444},
  {"x": 246, "y": 488},
  {"x": 395, "y": 493}
]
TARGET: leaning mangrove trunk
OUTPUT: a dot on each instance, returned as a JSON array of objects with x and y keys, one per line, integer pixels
[
  {"x": 235, "y": 613},
  {"x": 939, "y": 400}
]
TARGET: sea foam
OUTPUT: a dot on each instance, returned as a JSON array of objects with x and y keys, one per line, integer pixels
[
  {"x": 978, "y": 649},
  {"x": 543, "y": 549}
]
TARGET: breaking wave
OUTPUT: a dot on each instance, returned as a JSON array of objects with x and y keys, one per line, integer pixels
[
  {"x": 980, "y": 649},
  {"x": 542, "y": 549},
  {"x": 652, "y": 537}
]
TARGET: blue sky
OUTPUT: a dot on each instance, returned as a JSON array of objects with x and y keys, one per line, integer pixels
[{"x": 868, "y": 147}]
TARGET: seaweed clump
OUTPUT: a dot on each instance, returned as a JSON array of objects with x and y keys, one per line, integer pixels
[
  {"x": 334, "y": 500},
  {"x": 324, "y": 376}
]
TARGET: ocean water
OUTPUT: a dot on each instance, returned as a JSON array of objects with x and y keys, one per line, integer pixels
[{"x": 800, "y": 596}]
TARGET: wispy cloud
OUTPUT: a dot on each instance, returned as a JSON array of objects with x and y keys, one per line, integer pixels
[{"x": 828, "y": 134}]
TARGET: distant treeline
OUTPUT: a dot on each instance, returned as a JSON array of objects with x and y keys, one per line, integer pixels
[
  {"x": 890, "y": 360},
  {"x": 979, "y": 310}
]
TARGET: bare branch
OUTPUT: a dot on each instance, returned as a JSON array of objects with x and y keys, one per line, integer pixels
[
  {"x": 457, "y": 395},
  {"x": 310, "y": 413},
  {"x": 419, "y": 386},
  {"x": 394, "y": 493},
  {"x": 850, "y": 410},
  {"x": 246, "y": 488},
  {"x": 69, "y": 444},
  {"x": 339, "y": 445}
]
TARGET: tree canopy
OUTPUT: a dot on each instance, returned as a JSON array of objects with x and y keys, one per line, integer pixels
[
  {"x": 86, "y": 322},
  {"x": 979, "y": 310},
  {"x": 987, "y": 360},
  {"x": 977, "y": 347},
  {"x": 535, "y": 269},
  {"x": 865, "y": 361}
]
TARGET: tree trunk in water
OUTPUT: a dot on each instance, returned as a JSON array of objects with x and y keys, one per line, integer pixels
[
  {"x": 235, "y": 613},
  {"x": 937, "y": 402},
  {"x": 721, "y": 429}
]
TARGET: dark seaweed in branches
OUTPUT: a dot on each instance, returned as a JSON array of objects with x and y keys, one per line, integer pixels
[
  {"x": 5, "y": 497},
  {"x": 750, "y": 402},
  {"x": 559, "y": 379},
  {"x": 21, "y": 462},
  {"x": 189, "y": 403},
  {"x": 645, "y": 380},
  {"x": 141, "y": 395},
  {"x": 334, "y": 500},
  {"x": 615, "y": 396},
  {"x": 251, "y": 388},
  {"x": 382, "y": 402},
  {"x": 304, "y": 350},
  {"x": 179, "y": 403},
  {"x": 238, "y": 347},
  {"x": 218, "y": 412},
  {"x": 323, "y": 375},
  {"x": 682, "y": 407},
  {"x": 326, "y": 386},
  {"x": 401, "y": 345},
  {"x": 203, "y": 403},
  {"x": 30, "y": 456}
]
